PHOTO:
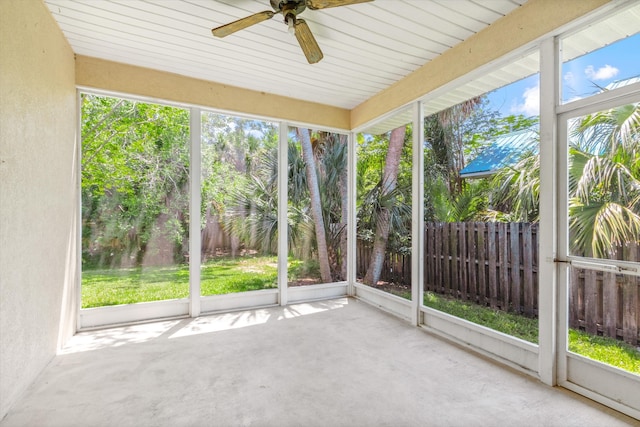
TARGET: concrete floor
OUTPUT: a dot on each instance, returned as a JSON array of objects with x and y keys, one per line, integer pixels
[{"x": 330, "y": 363}]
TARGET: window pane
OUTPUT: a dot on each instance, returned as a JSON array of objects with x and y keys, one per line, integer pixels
[
  {"x": 317, "y": 207},
  {"x": 135, "y": 201},
  {"x": 599, "y": 57},
  {"x": 384, "y": 210},
  {"x": 481, "y": 195},
  {"x": 239, "y": 204}
]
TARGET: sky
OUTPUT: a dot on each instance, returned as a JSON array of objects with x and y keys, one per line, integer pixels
[{"x": 580, "y": 77}]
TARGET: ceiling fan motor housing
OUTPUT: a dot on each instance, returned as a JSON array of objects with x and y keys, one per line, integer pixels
[{"x": 289, "y": 6}]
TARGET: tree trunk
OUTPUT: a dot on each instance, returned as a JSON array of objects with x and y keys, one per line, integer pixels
[
  {"x": 389, "y": 182},
  {"x": 316, "y": 206}
]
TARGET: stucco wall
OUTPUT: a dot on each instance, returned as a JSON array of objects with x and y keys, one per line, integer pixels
[{"x": 37, "y": 191}]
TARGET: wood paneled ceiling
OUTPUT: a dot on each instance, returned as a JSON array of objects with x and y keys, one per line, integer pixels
[{"x": 367, "y": 47}]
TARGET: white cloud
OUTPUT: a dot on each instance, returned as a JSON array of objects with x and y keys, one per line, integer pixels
[
  {"x": 602, "y": 73},
  {"x": 569, "y": 78},
  {"x": 531, "y": 104}
]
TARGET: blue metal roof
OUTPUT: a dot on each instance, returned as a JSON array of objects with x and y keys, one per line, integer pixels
[
  {"x": 620, "y": 83},
  {"x": 505, "y": 150}
]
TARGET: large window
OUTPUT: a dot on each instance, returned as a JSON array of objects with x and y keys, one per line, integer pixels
[
  {"x": 481, "y": 201},
  {"x": 604, "y": 235},
  {"x": 135, "y": 201},
  {"x": 317, "y": 206},
  {"x": 239, "y": 199},
  {"x": 384, "y": 210}
]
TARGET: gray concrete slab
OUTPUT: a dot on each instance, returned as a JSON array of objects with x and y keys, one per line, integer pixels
[{"x": 330, "y": 363}]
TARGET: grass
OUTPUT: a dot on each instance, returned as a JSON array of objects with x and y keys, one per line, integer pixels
[
  {"x": 230, "y": 275},
  {"x": 603, "y": 349},
  {"x": 132, "y": 285},
  {"x": 225, "y": 275},
  {"x": 512, "y": 324},
  {"x": 218, "y": 276}
]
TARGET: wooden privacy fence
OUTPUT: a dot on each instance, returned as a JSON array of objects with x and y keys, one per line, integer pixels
[
  {"x": 604, "y": 303},
  {"x": 492, "y": 264},
  {"x": 496, "y": 265}
]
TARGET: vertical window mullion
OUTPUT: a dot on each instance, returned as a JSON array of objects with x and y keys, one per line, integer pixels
[
  {"x": 283, "y": 248},
  {"x": 417, "y": 207},
  {"x": 352, "y": 238},
  {"x": 547, "y": 290},
  {"x": 195, "y": 173}
]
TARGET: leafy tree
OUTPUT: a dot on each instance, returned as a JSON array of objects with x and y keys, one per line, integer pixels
[
  {"x": 451, "y": 137},
  {"x": 237, "y": 154},
  {"x": 134, "y": 180}
]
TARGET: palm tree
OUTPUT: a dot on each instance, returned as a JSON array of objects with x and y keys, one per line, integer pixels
[
  {"x": 604, "y": 181},
  {"x": 383, "y": 224},
  {"x": 516, "y": 191},
  {"x": 330, "y": 151}
]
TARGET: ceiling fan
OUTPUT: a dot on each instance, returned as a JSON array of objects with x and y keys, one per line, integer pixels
[{"x": 290, "y": 9}]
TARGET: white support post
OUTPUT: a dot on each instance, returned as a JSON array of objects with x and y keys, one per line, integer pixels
[
  {"x": 417, "y": 214},
  {"x": 352, "y": 239},
  {"x": 562, "y": 269},
  {"x": 195, "y": 168},
  {"x": 547, "y": 277},
  {"x": 76, "y": 292},
  {"x": 283, "y": 248}
]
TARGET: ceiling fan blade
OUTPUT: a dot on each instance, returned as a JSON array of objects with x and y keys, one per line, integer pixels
[
  {"x": 307, "y": 42},
  {"x": 243, "y": 23},
  {"x": 323, "y": 4}
]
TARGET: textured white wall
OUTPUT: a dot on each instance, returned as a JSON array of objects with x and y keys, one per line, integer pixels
[{"x": 38, "y": 196}]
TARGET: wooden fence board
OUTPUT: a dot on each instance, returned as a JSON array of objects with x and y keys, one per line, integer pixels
[
  {"x": 590, "y": 301},
  {"x": 438, "y": 258},
  {"x": 463, "y": 281},
  {"x": 454, "y": 254},
  {"x": 575, "y": 301},
  {"x": 447, "y": 261},
  {"x": 473, "y": 264},
  {"x": 482, "y": 266},
  {"x": 514, "y": 263},
  {"x": 503, "y": 266},
  {"x": 425, "y": 259},
  {"x": 630, "y": 310},
  {"x": 527, "y": 261},
  {"x": 492, "y": 257},
  {"x": 610, "y": 304}
]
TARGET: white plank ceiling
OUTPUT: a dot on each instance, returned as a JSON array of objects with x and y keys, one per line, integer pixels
[{"x": 367, "y": 47}]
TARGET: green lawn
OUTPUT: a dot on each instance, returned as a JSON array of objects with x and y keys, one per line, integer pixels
[
  {"x": 219, "y": 276},
  {"x": 603, "y": 349},
  {"x": 512, "y": 324},
  {"x": 607, "y": 350}
]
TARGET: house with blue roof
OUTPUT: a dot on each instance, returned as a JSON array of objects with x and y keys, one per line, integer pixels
[{"x": 506, "y": 150}]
